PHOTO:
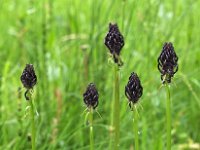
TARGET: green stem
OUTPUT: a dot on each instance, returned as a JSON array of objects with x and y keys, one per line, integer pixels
[
  {"x": 168, "y": 117},
  {"x": 32, "y": 124},
  {"x": 116, "y": 108},
  {"x": 91, "y": 130},
  {"x": 135, "y": 128}
]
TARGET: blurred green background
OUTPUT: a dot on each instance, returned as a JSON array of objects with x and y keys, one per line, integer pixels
[{"x": 64, "y": 40}]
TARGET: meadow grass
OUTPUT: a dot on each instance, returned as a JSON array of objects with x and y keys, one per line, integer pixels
[{"x": 52, "y": 34}]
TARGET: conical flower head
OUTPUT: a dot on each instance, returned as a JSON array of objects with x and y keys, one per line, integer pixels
[
  {"x": 28, "y": 77},
  {"x": 114, "y": 41},
  {"x": 91, "y": 96},
  {"x": 167, "y": 63},
  {"x": 133, "y": 89}
]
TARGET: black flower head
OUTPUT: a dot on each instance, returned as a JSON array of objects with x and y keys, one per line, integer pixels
[
  {"x": 114, "y": 41},
  {"x": 167, "y": 63},
  {"x": 28, "y": 77},
  {"x": 133, "y": 89},
  {"x": 90, "y": 97}
]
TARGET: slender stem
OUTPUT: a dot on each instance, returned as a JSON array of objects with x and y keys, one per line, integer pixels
[
  {"x": 116, "y": 109},
  {"x": 91, "y": 130},
  {"x": 168, "y": 117},
  {"x": 32, "y": 124},
  {"x": 112, "y": 116},
  {"x": 135, "y": 128}
]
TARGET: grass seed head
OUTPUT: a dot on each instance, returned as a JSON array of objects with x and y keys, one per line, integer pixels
[
  {"x": 133, "y": 89},
  {"x": 91, "y": 96},
  {"x": 28, "y": 77},
  {"x": 167, "y": 63},
  {"x": 114, "y": 41}
]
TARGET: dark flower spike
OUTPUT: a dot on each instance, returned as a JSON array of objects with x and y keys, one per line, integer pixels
[
  {"x": 28, "y": 79},
  {"x": 167, "y": 63},
  {"x": 133, "y": 89},
  {"x": 91, "y": 96},
  {"x": 115, "y": 42}
]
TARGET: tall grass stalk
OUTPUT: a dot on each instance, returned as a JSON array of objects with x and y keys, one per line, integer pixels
[
  {"x": 91, "y": 130},
  {"x": 168, "y": 116},
  {"x": 135, "y": 129},
  {"x": 33, "y": 133},
  {"x": 116, "y": 108}
]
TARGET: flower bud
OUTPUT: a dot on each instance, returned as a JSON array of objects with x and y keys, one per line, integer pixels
[
  {"x": 114, "y": 41},
  {"x": 167, "y": 63},
  {"x": 90, "y": 97},
  {"x": 133, "y": 89},
  {"x": 28, "y": 77}
]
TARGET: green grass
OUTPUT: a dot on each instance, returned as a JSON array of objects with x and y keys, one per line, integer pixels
[{"x": 65, "y": 41}]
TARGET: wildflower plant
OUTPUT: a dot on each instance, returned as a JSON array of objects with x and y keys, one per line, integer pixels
[
  {"x": 168, "y": 66},
  {"x": 29, "y": 80},
  {"x": 133, "y": 91},
  {"x": 114, "y": 41},
  {"x": 90, "y": 98}
]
